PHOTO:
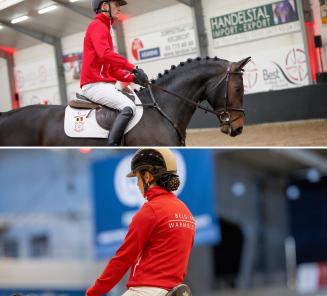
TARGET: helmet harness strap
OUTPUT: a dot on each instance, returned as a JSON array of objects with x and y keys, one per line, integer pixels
[{"x": 110, "y": 12}]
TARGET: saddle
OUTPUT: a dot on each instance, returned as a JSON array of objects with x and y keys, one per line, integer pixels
[
  {"x": 180, "y": 290},
  {"x": 105, "y": 116}
]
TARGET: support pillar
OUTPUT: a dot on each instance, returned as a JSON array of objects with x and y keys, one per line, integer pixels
[
  {"x": 202, "y": 37},
  {"x": 11, "y": 75},
  {"x": 56, "y": 43}
]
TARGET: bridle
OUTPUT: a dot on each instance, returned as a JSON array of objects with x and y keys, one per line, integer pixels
[{"x": 223, "y": 114}]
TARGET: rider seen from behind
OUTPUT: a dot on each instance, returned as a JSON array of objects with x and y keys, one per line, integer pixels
[
  {"x": 102, "y": 68},
  {"x": 160, "y": 237}
]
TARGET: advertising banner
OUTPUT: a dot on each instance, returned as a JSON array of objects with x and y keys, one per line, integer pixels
[
  {"x": 36, "y": 74},
  {"x": 72, "y": 65},
  {"x": 166, "y": 43},
  {"x": 281, "y": 68},
  {"x": 43, "y": 96},
  {"x": 255, "y": 23},
  {"x": 117, "y": 198}
]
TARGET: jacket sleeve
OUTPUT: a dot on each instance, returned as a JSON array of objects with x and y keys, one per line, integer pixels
[
  {"x": 122, "y": 75},
  {"x": 99, "y": 38},
  {"x": 139, "y": 232}
]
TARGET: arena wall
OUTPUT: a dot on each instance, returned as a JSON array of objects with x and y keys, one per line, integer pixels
[{"x": 5, "y": 102}]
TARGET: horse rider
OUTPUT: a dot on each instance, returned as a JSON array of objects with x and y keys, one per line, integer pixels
[
  {"x": 160, "y": 237},
  {"x": 102, "y": 68}
]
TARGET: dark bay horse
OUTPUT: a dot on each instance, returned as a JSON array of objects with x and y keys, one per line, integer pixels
[{"x": 217, "y": 81}]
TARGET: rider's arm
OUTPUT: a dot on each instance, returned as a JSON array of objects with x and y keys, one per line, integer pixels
[
  {"x": 122, "y": 75},
  {"x": 99, "y": 38},
  {"x": 139, "y": 232}
]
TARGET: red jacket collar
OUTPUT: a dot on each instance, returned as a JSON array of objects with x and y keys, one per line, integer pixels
[
  {"x": 103, "y": 18},
  {"x": 155, "y": 191}
]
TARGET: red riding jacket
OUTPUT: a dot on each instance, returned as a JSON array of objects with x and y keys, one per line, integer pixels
[
  {"x": 157, "y": 246},
  {"x": 100, "y": 63}
]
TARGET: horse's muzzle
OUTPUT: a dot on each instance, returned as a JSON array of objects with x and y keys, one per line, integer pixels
[{"x": 228, "y": 130}]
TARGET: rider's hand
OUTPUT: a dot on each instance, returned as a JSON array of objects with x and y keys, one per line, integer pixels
[{"x": 140, "y": 77}]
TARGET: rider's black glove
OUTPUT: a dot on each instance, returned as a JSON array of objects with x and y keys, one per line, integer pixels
[{"x": 140, "y": 77}]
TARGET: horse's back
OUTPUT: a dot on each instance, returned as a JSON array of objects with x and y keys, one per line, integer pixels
[{"x": 24, "y": 126}]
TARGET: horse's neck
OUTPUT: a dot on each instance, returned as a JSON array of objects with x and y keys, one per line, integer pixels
[
  {"x": 179, "y": 110},
  {"x": 189, "y": 82}
]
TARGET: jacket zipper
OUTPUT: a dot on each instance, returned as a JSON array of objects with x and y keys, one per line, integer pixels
[
  {"x": 101, "y": 71},
  {"x": 136, "y": 265}
]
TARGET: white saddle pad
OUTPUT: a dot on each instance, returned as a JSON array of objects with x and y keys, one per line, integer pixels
[{"x": 77, "y": 125}]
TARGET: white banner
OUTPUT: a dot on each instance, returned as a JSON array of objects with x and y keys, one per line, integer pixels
[
  {"x": 36, "y": 74},
  {"x": 276, "y": 69},
  {"x": 166, "y": 43},
  {"x": 42, "y": 96},
  {"x": 72, "y": 64}
]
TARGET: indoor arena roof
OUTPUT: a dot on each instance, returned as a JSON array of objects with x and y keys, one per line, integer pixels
[{"x": 60, "y": 22}]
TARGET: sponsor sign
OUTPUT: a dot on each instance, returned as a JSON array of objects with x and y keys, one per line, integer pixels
[
  {"x": 36, "y": 74},
  {"x": 255, "y": 23},
  {"x": 117, "y": 198},
  {"x": 72, "y": 65},
  {"x": 167, "y": 43},
  {"x": 44, "y": 96},
  {"x": 149, "y": 53},
  {"x": 278, "y": 69}
]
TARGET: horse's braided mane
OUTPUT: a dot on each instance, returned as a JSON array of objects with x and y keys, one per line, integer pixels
[{"x": 181, "y": 64}]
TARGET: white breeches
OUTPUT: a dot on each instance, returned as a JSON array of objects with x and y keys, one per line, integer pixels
[
  {"x": 145, "y": 291},
  {"x": 107, "y": 94}
]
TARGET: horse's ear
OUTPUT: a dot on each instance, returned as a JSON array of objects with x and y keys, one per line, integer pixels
[{"x": 241, "y": 64}]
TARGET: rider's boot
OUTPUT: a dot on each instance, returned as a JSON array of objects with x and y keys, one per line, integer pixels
[{"x": 119, "y": 126}]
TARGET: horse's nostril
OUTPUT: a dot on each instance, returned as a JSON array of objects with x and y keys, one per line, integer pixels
[{"x": 239, "y": 130}]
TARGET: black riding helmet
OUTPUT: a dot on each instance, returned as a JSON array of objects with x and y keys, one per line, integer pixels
[
  {"x": 157, "y": 161},
  {"x": 97, "y": 3},
  {"x": 161, "y": 163}
]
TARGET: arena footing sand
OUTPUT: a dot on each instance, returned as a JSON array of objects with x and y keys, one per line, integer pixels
[{"x": 308, "y": 133}]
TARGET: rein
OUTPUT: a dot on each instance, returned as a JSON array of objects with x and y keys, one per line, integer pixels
[{"x": 222, "y": 114}]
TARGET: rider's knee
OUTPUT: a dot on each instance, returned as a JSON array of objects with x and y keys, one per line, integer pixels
[{"x": 129, "y": 110}]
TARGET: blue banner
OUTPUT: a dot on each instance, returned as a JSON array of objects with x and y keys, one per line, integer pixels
[{"x": 117, "y": 198}]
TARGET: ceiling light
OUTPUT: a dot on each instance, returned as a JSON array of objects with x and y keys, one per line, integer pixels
[
  {"x": 313, "y": 176},
  {"x": 72, "y": 1},
  {"x": 293, "y": 192},
  {"x": 47, "y": 9},
  {"x": 1, "y": 27},
  {"x": 238, "y": 189},
  {"x": 20, "y": 19}
]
